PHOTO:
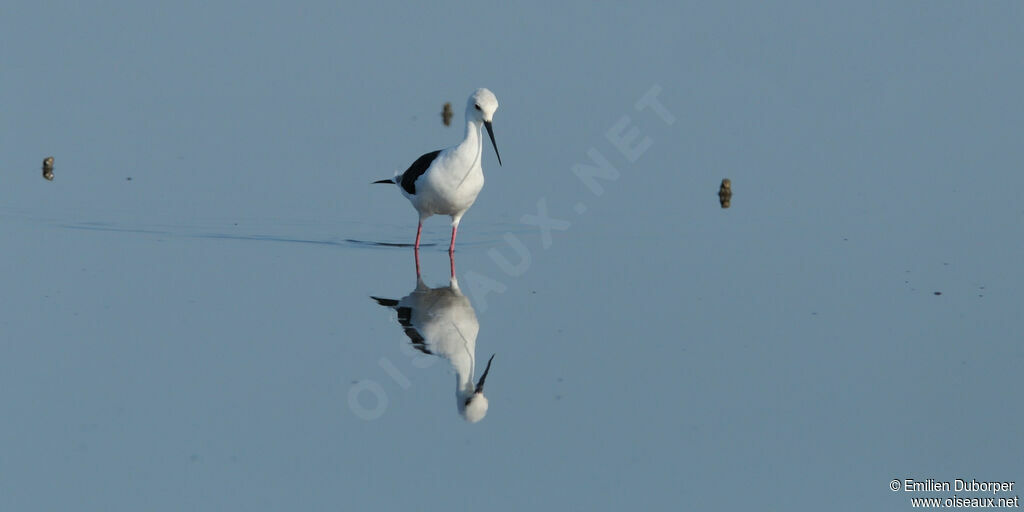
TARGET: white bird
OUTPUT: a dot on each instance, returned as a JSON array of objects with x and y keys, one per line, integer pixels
[
  {"x": 442, "y": 322},
  {"x": 447, "y": 181}
]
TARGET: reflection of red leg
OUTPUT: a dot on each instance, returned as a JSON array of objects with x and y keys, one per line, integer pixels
[
  {"x": 419, "y": 229},
  {"x": 451, "y": 258},
  {"x": 455, "y": 230},
  {"x": 416, "y": 251}
]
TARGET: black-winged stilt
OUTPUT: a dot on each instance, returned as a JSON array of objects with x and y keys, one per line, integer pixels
[
  {"x": 447, "y": 181},
  {"x": 442, "y": 322}
]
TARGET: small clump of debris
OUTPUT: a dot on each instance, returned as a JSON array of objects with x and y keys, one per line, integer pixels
[
  {"x": 725, "y": 193},
  {"x": 48, "y": 168},
  {"x": 446, "y": 114}
]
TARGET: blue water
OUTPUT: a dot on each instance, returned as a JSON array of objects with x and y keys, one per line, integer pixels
[{"x": 193, "y": 338}]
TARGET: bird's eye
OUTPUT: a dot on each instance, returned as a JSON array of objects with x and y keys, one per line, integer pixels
[{"x": 476, "y": 107}]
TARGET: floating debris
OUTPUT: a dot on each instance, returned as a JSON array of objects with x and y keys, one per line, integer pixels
[
  {"x": 725, "y": 193},
  {"x": 446, "y": 113},
  {"x": 129, "y": 178},
  {"x": 48, "y": 168},
  {"x": 937, "y": 293}
]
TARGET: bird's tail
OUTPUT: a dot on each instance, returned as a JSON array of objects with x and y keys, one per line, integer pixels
[
  {"x": 385, "y": 302},
  {"x": 392, "y": 181}
]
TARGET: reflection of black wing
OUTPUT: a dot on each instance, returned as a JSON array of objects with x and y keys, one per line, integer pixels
[
  {"x": 405, "y": 318},
  {"x": 417, "y": 341},
  {"x": 416, "y": 170}
]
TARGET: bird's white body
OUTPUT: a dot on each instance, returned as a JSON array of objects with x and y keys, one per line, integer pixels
[
  {"x": 447, "y": 321},
  {"x": 442, "y": 322},
  {"x": 447, "y": 182},
  {"x": 453, "y": 181}
]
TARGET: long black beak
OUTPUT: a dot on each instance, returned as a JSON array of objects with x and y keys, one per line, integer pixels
[
  {"x": 480, "y": 383},
  {"x": 490, "y": 131}
]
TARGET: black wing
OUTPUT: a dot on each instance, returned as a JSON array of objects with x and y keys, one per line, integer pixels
[{"x": 416, "y": 170}]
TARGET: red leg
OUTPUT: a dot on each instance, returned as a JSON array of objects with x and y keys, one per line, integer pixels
[
  {"x": 455, "y": 230},
  {"x": 419, "y": 229},
  {"x": 416, "y": 251}
]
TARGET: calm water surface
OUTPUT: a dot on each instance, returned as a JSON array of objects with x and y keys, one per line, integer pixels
[{"x": 203, "y": 336}]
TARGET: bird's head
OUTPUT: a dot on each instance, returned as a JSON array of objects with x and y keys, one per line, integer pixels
[
  {"x": 480, "y": 108},
  {"x": 474, "y": 406}
]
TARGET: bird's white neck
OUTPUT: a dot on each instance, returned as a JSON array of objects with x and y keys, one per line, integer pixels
[
  {"x": 472, "y": 144},
  {"x": 464, "y": 362},
  {"x": 464, "y": 385}
]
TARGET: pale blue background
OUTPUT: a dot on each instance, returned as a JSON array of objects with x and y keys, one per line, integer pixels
[{"x": 187, "y": 340}]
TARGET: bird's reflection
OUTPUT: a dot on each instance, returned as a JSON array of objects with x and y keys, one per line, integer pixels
[{"x": 442, "y": 322}]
